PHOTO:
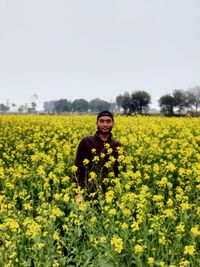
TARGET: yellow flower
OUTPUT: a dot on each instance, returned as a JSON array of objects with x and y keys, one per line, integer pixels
[
  {"x": 55, "y": 264},
  {"x": 170, "y": 202},
  {"x": 93, "y": 176},
  {"x": 33, "y": 229},
  {"x": 106, "y": 145},
  {"x": 110, "y": 150},
  {"x": 158, "y": 198},
  {"x": 169, "y": 213},
  {"x": 126, "y": 212},
  {"x": 190, "y": 250},
  {"x": 162, "y": 264},
  {"x": 93, "y": 219},
  {"x": 57, "y": 212},
  {"x": 56, "y": 236},
  {"x": 180, "y": 228},
  {"x": 66, "y": 197},
  {"x": 124, "y": 225},
  {"x": 112, "y": 211},
  {"x": 162, "y": 239},
  {"x": 184, "y": 263},
  {"x": 185, "y": 206},
  {"x": 195, "y": 231},
  {"x": 171, "y": 167},
  {"x": 57, "y": 196},
  {"x": 138, "y": 249},
  {"x": 135, "y": 226},
  {"x": 102, "y": 239},
  {"x": 93, "y": 150},
  {"x": 85, "y": 162},
  {"x": 150, "y": 260},
  {"x": 117, "y": 242},
  {"x": 12, "y": 225},
  {"x": 74, "y": 168},
  {"x": 109, "y": 196},
  {"x": 102, "y": 155},
  {"x": 163, "y": 181},
  {"x": 95, "y": 159}
]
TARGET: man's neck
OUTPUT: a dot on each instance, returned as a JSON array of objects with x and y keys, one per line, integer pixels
[{"x": 104, "y": 137}]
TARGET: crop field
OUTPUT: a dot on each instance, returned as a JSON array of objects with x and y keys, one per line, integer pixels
[{"x": 148, "y": 216}]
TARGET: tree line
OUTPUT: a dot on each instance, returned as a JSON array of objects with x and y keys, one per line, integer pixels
[
  {"x": 78, "y": 105},
  {"x": 182, "y": 100},
  {"x": 137, "y": 102}
]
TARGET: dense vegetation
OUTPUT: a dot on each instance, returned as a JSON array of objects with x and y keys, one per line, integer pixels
[{"x": 149, "y": 215}]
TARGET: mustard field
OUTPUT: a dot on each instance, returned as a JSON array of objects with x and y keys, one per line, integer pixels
[{"x": 149, "y": 215}]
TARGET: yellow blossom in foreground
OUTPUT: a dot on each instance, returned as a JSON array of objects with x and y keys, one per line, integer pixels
[
  {"x": 93, "y": 175},
  {"x": 66, "y": 198},
  {"x": 150, "y": 260},
  {"x": 124, "y": 226},
  {"x": 74, "y": 168},
  {"x": 93, "y": 219},
  {"x": 138, "y": 249},
  {"x": 180, "y": 228},
  {"x": 184, "y": 263},
  {"x": 117, "y": 242},
  {"x": 185, "y": 206},
  {"x": 135, "y": 226},
  {"x": 57, "y": 212},
  {"x": 126, "y": 212},
  {"x": 109, "y": 196},
  {"x": 12, "y": 224},
  {"x": 189, "y": 250},
  {"x": 112, "y": 211},
  {"x": 85, "y": 162},
  {"x": 102, "y": 239},
  {"x": 195, "y": 231}
]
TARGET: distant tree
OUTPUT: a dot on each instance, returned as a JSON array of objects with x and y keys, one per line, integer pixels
[
  {"x": 96, "y": 105},
  {"x": 113, "y": 106},
  {"x": 140, "y": 101},
  {"x": 193, "y": 96},
  {"x": 4, "y": 108},
  {"x": 180, "y": 99},
  {"x": 80, "y": 105},
  {"x": 62, "y": 105},
  {"x": 126, "y": 101},
  {"x": 13, "y": 107},
  {"x": 118, "y": 101},
  {"x": 21, "y": 108},
  {"x": 32, "y": 109},
  {"x": 166, "y": 103},
  {"x": 49, "y": 106},
  {"x": 33, "y": 105}
]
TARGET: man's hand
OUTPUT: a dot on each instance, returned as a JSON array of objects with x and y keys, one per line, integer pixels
[{"x": 79, "y": 198}]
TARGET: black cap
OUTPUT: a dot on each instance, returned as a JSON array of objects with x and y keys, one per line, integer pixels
[{"x": 105, "y": 113}]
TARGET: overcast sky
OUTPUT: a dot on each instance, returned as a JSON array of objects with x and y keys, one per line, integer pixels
[{"x": 87, "y": 48}]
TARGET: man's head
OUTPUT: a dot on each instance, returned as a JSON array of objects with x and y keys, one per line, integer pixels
[{"x": 105, "y": 122}]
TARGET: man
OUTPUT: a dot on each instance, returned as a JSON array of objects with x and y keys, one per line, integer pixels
[{"x": 97, "y": 155}]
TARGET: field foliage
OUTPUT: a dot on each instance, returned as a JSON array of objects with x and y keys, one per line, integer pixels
[{"x": 149, "y": 215}]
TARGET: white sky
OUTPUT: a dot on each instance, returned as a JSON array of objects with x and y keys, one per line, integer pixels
[{"x": 88, "y": 48}]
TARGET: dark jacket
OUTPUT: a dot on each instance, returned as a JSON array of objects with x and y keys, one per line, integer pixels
[{"x": 85, "y": 151}]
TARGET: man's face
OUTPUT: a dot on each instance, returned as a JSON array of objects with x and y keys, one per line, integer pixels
[{"x": 105, "y": 124}]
